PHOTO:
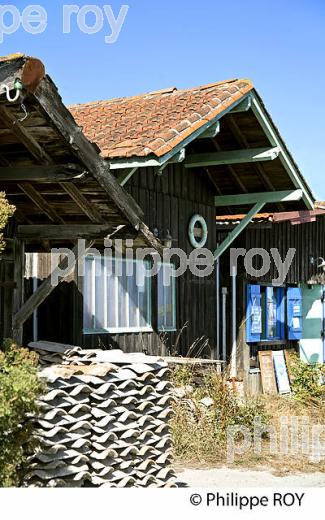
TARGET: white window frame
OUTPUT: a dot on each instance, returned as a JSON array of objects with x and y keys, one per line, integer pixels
[
  {"x": 164, "y": 327},
  {"x": 117, "y": 329}
]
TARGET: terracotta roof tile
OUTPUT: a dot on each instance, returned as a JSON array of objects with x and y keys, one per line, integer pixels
[{"x": 156, "y": 122}]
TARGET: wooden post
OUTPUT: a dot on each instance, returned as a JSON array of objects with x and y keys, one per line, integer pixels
[{"x": 18, "y": 295}]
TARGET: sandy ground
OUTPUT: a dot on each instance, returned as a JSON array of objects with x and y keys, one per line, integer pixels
[{"x": 235, "y": 478}]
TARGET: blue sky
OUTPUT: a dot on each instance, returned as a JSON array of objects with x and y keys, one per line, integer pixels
[{"x": 279, "y": 44}]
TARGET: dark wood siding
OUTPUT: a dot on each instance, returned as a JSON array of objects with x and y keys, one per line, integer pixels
[{"x": 168, "y": 201}]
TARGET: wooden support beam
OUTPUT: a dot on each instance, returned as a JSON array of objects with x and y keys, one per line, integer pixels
[
  {"x": 243, "y": 106},
  {"x": 18, "y": 293},
  {"x": 285, "y": 158},
  {"x": 211, "y": 132},
  {"x": 238, "y": 229},
  {"x": 234, "y": 157},
  {"x": 231, "y": 170},
  {"x": 46, "y": 287},
  {"x": 126, "y": 175},
  {"x": 89, "y": 209},
  {"x": 43, "y": 205},
  {"x": 252, "y": 198},
  {"x": 37, "y": 173},
  {"x": 51, "y": 103},
  {"x": 24, "y": 136},
  {"x": 66, "y": 231}
]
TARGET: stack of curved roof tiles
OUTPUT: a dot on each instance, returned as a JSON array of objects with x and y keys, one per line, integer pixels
[{"x": 103, "y": 421}]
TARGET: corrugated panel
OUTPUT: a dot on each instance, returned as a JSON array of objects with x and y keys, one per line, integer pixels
[{"x": 103, "y": 420}]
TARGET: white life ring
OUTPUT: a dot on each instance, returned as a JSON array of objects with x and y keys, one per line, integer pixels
[{"x": 197, "y": 219}]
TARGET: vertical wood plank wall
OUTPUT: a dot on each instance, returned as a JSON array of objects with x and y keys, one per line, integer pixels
[{"x": 168, "y": 201}]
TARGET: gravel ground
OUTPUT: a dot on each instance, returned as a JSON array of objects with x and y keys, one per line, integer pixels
[{"x": 235, "y": 478}]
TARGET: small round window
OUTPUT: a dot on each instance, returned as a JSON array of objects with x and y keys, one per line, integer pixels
[{"x": 198, "y": 231}]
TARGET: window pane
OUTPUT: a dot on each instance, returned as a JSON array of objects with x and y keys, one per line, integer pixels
[
  {"x": 133, "y": 298},
  {"x": 143, "y": 293},
  {"x": 111, "y": 294},
  {"x": 166, "y": 298},
  {"x": 88, "y": 295},
  {"x": 100, "y": 300},
  {"x": 122, "y": 294},
  {"x": 116, "y": 295}
]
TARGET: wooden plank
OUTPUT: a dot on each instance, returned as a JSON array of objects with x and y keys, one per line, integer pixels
[
  {"x": 252, "y": 198},
  {"x": 46, "y": 287},
  {"x": 242, "y": 141},
  {"x": 50, "y": 101},
  {"x": 89, "y": 209},
  {"x": 18, "y": 294},
  {"x": 238, "y": 229},
  {"x": 267, "y": 372},
  {"x": 43, "y": 205},
  {"x": 232, "y": 157},
  {"x": 66, "y": 231},
  {"x": 40, "y": 173},
  {"x": 285, "y": 158},
  {"x": 24, "y": 136}
]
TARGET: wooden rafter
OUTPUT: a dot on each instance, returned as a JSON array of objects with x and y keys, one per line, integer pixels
[
  {"x": 221, "y": 158},
  {"x": 89, "y": 209},
  {"x": 24, "y": 136},
  {"x": 231, "y": 170},
  {"x": 66, "y": 231},
  {"x": 51, "y": 103},
  {"x": 39, "y": 201},
  {"x": 242, "y": 141},
  {"x": 41, "y": 173},
  {"x": 264, "y": 197}
]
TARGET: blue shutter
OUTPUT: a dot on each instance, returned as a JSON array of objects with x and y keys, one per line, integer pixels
[
  {"x": 253, "y": 314},
  {"x": 294, "y": 311}
]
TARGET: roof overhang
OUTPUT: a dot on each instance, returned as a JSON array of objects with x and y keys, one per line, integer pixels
[{"x": 272, "y": 161}]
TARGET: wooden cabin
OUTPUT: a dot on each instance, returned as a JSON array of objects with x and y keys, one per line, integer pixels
[
  {"x": 292, "y": 309},
  {"x": 156, "y": 169}
]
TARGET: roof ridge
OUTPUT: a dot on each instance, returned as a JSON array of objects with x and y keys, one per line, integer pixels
[{"x": 168, "y": 90}]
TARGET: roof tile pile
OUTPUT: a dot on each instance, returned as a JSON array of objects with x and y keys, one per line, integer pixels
[{"x": 103, "y": 421}]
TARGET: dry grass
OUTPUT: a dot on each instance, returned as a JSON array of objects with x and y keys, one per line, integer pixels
[{"x": 200, "y": 433}]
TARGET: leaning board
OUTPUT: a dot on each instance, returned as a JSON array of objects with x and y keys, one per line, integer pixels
[{"x": 267, "y": 372}]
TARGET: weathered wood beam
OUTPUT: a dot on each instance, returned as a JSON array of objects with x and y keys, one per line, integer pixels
[
  {"x": 43, "y": 205},
  {"x": 46, "y": 287},
  {"x": 252, "y": 198},
  {"x": 51, "y": 103},
  {"x": 37, "y": 173},
  {"x": 18, "y": 294},
  {"x": 232, "y": 157},
  {"x": 66, "y": 231},
  {"x": 89, "y": 209},
  {"x": 24, "y": 136}
]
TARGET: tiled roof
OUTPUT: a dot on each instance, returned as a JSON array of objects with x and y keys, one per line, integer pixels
[
  {"x": 273, "y": 217},
  {"x": 156, "y": 122},
  {"x": 222, "y": 219}
]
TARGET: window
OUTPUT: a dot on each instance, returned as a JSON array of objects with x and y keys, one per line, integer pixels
[
  {"x": 117, "y": 296},
  {"x": 265, "y": 320},
  {"x": 166, "y": 298}
]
